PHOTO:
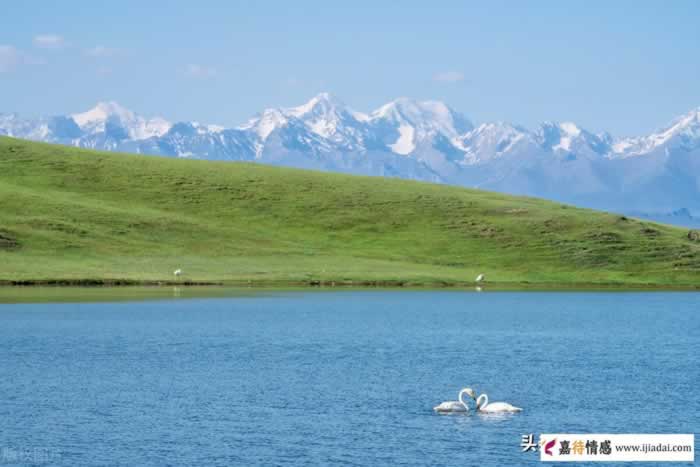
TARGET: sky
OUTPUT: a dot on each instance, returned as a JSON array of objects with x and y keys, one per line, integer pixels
[{"x": 627, "y": 67}]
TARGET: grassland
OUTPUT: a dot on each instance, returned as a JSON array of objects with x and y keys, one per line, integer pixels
[{"x": 71, "y": 215}]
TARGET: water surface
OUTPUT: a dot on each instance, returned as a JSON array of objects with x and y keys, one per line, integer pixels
[{"x": 340, "y": 378}]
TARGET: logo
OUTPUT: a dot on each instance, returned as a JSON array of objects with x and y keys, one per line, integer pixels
[
  {"x": 609, "y": 447},
  {"x": 548, "y": 446}
]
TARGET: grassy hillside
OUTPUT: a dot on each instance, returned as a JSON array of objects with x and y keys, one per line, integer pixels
[{"x": 76, "y": 214}]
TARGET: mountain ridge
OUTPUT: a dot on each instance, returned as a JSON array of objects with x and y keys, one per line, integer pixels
[{"x": 423, "y": 140}]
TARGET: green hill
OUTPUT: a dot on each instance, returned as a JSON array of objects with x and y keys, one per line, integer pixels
[{"x": 71, "y": 214}]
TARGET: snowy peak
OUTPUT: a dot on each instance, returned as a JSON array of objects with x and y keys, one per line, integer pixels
[
  {"x": 686, "y": 127},
  {"x": 404, "y": 125},
  {"x": 497, "y": 130},
  {"x": 491, "y": 140},
  {"x": 101, "y": 112},
  {"x": 106, "y": 116},
  {"x": 321, "y": 105},
  {"x": 266, "y": 122},
  {"x": 398, "y": 126},
  {"x": 683, "y": 132},
  {"x": 555, "y": 136},
  {"x": 423, "y": 116},
  {"x": 568, "y": 137},
  {"x": 688, "y": 124},
  {"x": 328, "y": 117},
  {"x": 324, "y": 120}
]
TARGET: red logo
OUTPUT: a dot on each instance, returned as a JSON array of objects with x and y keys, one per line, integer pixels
[{"x": 548, "y": 447}]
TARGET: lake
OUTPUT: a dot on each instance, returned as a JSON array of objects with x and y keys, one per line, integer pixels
[{"x": 343, "y": 377}]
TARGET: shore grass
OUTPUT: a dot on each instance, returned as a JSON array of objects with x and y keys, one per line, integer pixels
[{"x": 72, "y": 216}]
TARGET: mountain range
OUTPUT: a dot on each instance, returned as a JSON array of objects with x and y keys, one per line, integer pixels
[{"x": 652, "y": 176}]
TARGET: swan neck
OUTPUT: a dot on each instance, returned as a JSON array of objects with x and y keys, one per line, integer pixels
[{"x": 459, "y": 397}]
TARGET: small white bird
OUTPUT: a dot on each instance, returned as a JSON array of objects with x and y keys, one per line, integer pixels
[
  {"x": 177, "y": 272},
  {"x": 480, "y": 278}
]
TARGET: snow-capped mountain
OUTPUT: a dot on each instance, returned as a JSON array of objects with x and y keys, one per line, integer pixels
[
  {"x": 683, "y": 132},
  {"x": 405, "y": 125},
  {"x": 108, "y": 116},
  {"x": 490, "y": 141},
  {"x": 423, "y": 140}
]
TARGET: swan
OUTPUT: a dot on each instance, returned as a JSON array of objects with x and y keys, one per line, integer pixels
[
  {"x": 456, "y": 406},
  {"x": 480, "y": 278},
  {"x": 482, "y": 405},
  {"x": 177, "y": 272}
]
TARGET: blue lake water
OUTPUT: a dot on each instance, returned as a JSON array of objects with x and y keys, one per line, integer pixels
[{"x": 340, "y": 378}]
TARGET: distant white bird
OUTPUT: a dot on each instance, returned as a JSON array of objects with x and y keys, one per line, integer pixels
[
  {"x": 482, "y": 405},
  {"x": 177, "y": 272},
  {"x": 480, "y": 278},
  {"x": 458, "y": 405}
]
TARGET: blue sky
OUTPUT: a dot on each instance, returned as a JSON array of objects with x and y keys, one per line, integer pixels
[{"x": 627, "y": 67}]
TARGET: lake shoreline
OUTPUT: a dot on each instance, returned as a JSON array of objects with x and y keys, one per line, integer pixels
[{"x": 360, "y": 284}]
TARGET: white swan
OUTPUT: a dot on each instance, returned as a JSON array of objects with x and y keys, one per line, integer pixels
[
  {"x": 456, "y": 406},
  {"x": 482, "y": 405}
]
